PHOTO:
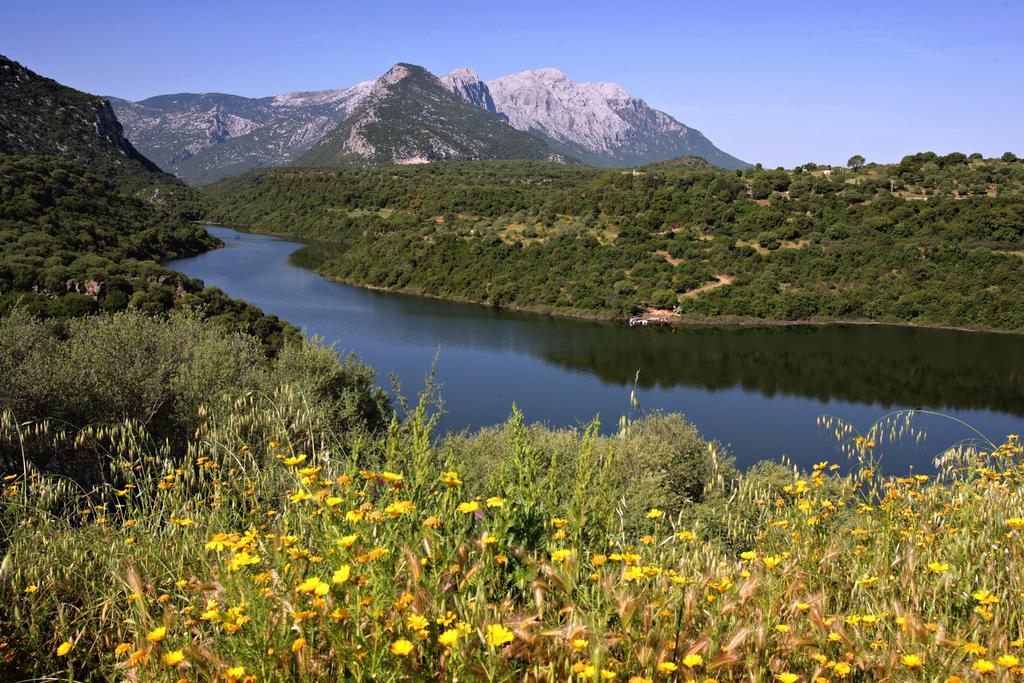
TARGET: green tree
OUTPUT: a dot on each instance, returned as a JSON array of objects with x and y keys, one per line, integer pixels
[
  {"x": 663, "y": 298},
  {"x": 855, "y": 162}
]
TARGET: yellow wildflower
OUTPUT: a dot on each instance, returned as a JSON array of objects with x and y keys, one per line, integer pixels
[
  {"x": 173, "y": 658},
  {"x": 983, "y": 666},
  {"x": 448, "y": 638},
  {"x": 401, "y": 647},
  {"x": 313, "y": 585},
  {"x": 399, "y": 508},
  {"x": 157, "y": 634},
  {"x": 867, "y": 581},
  {"x": 341, "y": 574},
  {"x": 416, "y": 622},
  {"x": 451, "y": 479},
  {"x": 912, "y": 661},
  {"x": 498, "y": 635},
  {"x": 64, "y": 648}
]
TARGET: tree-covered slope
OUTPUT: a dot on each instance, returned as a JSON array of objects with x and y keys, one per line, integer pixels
[
  {"x": 40, "y": 116},
  {"x": 72, "y": 244},
  {"x": 932, "y": 240},
  {"x": 409, "y": 116}
]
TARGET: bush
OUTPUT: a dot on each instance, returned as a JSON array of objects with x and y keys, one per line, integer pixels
[
  {"x": 105, "y": 369},
  {"x": 663, "y": 298},
  {"x": 662, "y": 462}
]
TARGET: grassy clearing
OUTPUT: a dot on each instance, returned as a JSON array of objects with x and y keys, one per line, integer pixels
[{"x": 266, "y": 552}]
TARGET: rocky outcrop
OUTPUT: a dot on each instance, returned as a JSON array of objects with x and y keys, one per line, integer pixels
[
  {"x": 598, "y": 122},
  {"x": 467, "y": 84}
]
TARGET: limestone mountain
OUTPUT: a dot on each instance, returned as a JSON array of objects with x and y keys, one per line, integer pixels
[
  {"x": 206, "y": 137},
  {"x": 39, "y": 116},
  {"x": 599, "y": 123},
  {"x": 209, "y": 136},
  {"x": 410, "y": 116},
  {"x": 467, "y": 84}
]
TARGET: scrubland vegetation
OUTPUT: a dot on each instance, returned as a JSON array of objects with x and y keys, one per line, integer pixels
[
  {"x": 933, "y": 240},
  {"x": 73, "y": 244},
  {"x": 237, "y": 517}
]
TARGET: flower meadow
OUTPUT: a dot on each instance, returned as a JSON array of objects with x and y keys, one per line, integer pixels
[{"x": 267, "y": 551}]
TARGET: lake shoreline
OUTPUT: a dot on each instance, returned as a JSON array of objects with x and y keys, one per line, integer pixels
[
  {"x": 757, "y": 388},
  {"x": 611, "y": 318}
]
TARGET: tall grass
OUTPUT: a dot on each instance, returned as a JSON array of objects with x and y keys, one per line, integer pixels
[{"x": 265, "y": 551}]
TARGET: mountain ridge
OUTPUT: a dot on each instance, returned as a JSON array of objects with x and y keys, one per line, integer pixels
[
  {"x": 410, "y": 116},
  {"x": 208, "y": 136}
]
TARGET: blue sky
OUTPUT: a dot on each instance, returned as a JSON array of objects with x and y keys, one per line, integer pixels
[{"x": 782, "y": 83}]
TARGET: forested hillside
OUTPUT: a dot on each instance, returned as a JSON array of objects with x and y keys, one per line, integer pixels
[
  {"x": 71, "y": 245},
  {"x": 930, "y": 240},
  {"x": 85, "y": 219},
  {"x": 43, "y": 117}
]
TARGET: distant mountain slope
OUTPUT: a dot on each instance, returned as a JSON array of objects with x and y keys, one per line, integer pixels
[
  {"x": 600, "y": 123},
  {"x": 39, "y": 116},
  {"x": 409, "y": 116},
  {"x": 206, "y": 137}
]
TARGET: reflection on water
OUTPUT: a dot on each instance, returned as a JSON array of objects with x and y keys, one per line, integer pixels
[{"x": 757, "y": 389}]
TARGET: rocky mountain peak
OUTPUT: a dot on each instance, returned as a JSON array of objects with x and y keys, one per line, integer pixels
[
  {"x": 548, "y": 74},
  {"x": 600, "y": 123},
  {"x": 466, "y": 83},
  {"x": 411, "y": 116},
  {"x": 398, "y": 73}
]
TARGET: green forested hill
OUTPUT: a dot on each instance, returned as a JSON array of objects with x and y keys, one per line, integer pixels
[
  {"x": 85, "y": 219},
  {"x": 72, "y": 244},
  {"x": 930, "y": 240},
  {"x": 40, "y": 116}
]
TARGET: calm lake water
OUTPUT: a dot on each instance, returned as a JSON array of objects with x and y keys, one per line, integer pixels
[{"x": 757, "y": 390}]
